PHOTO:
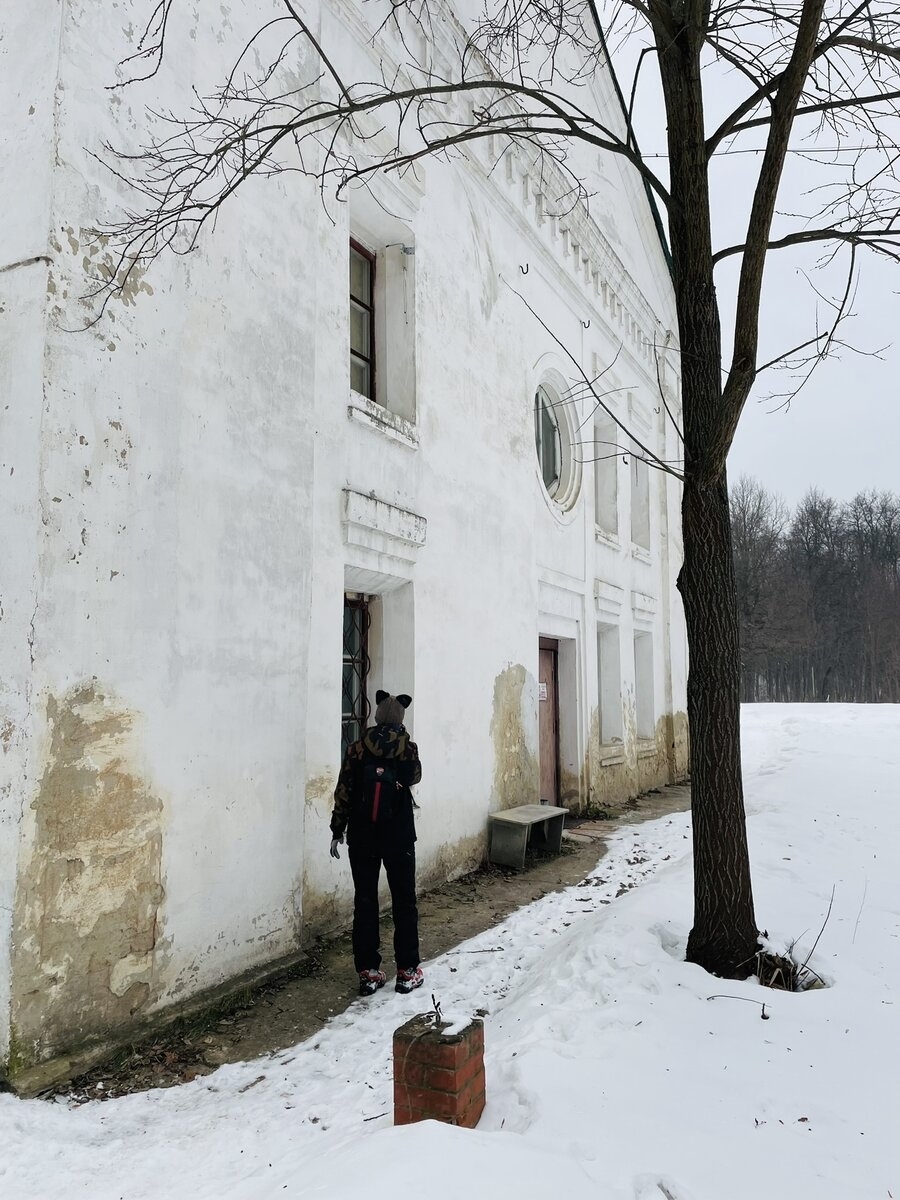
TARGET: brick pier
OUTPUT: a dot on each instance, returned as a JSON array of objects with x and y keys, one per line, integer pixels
[{"x": 438, "y": 1076}]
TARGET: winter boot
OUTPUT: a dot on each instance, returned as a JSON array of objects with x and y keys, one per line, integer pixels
[
  {"x": 408, "y": 979},
  {"x": 371, "y": 981}
]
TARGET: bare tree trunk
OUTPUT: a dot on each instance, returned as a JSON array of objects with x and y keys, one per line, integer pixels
[{"x": 724, "y": 937}]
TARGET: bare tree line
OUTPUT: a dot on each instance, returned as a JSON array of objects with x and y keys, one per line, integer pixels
[{"x": 818, "y": 596}]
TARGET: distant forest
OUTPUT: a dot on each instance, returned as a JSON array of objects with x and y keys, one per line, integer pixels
[{"x": 818, "y": 595}]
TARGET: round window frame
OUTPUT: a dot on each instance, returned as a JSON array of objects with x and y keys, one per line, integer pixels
[{"x": 568, "y": 489}]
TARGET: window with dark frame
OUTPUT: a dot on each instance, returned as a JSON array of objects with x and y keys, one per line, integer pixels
[
  {"x": 362, "y": 320},
  {"x": 547, "y": 440},
  {"x": 354, "y": 697}
]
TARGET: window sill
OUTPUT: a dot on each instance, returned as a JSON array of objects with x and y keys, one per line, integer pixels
[
  {"x": 606, "y": 538},
  {"x": 376, "y": 416},
  {"x": 646, "y": 747},
  {"x": 641, "y": 553},
  {"x": 612, "y": 754}
]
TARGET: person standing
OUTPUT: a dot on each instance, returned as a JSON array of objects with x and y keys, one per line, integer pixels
[{"x": 373, "y": 805}]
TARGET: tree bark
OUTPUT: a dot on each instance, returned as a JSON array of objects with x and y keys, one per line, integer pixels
[{"x": 724, "y": 937}]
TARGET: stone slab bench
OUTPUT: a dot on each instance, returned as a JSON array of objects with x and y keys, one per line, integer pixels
[{"x": 511, "y": 830}]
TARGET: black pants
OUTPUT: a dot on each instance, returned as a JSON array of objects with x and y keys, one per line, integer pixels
[{"x": 400, "y": 868}]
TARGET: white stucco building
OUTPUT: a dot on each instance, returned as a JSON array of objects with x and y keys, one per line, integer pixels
[{"x": 225, "y": 526}]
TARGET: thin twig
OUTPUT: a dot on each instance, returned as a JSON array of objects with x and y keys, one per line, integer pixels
[
  {"x": 859, "y": 914},
  {"x": 821, "y": 931},
  {"x": 726, "y": 996},
  {"x": 491, "y": 950}
]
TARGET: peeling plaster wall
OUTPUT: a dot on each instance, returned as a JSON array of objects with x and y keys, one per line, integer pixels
[
  {"x": 89, "y": 945},
  {"x": 170, "y": 470},
  {"x": 29, "y": 46},
  {"x": 183, "y": 516},
  {"x": 615, "y": 779},
  {"x": 516, "y": 778},
  {"x": 499, "y": 566}
]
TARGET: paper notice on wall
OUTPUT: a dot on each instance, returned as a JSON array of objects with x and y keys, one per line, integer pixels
[{"x": 542, "y": 691}]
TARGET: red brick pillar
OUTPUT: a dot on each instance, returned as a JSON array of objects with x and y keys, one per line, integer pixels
[{"x": 438, "y": 1076}]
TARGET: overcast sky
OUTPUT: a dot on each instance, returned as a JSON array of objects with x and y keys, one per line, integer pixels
[{"x": 841, "y": 433}]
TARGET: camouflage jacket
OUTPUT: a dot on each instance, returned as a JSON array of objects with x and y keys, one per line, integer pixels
[{"x": 390, "y": 742}]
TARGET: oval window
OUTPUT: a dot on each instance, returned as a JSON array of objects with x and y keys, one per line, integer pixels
[{"x": 560, "y": 473}]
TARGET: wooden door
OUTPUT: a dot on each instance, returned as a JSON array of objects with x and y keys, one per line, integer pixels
[{"x": 548, "y": 720}]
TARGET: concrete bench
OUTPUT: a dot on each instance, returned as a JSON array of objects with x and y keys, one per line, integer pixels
[{"x": 511, "y": 829}]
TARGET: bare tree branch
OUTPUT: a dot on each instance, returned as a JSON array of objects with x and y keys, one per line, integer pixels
[
  {"x": 821, "y": 346},
  {"x": 885, "y": 241},
  {"x": 825, "y": 106},
  {"x": 768, "y": 87},
  {"x": 648, "y": 455},
  {"x": 746, "y": 322}
]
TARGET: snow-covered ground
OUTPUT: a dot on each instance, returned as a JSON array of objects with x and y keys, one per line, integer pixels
[{"x": 612, "y": 1074}]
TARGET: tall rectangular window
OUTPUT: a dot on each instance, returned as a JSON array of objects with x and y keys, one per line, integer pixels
[
  {"x": 640, "y": 499},
  {"x": 362, "y": 320},
  {"x": 606, "y": 472},
  {"x": 354, "y": 698},
  {"x": 644, "y": 711},
  {"x": 610, "y": 683}
]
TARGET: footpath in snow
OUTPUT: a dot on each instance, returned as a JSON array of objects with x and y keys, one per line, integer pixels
[{"x": 611, "y": 1075}]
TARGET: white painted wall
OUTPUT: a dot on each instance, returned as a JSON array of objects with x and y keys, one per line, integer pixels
[
  {"x": 190, "y": 456},
  {"x": 29, "y": 45}
]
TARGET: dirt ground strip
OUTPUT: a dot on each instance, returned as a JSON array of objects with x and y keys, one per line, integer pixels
[{"x": 297, "y": 1005}]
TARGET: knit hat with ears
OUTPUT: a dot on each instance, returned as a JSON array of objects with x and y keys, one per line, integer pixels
[{"x": 391, "y": 709}]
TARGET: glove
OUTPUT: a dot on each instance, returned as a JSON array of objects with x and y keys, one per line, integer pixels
[{"x": 335, "y": 842}]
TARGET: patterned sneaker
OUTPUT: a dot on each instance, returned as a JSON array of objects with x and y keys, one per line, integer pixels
[
  {"x": 409, "y": 979},
  {"x": 371, "y": 981}
]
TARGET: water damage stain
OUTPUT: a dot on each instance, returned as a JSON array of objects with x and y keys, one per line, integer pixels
[
  {"x": 87, "y": 956},
  {"x": 515, "y": 764}
]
